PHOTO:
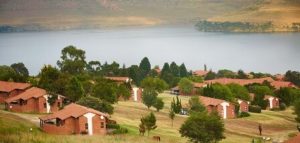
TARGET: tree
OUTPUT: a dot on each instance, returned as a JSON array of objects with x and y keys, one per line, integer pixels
[
  {"x": 203, "y": 128},
  {"x": 196, "y": 105},
  {"x": 93, "y": 66},
  {"x": 159, "y": 104},
  {"x": 293, "y": 76},
  {"x": 297, "y": 110},
  {"x": 185, "y": 86},
  {"x": 96, "y": 103},
  {"x": 105, "y": 90},
  {"x": 176, "y": 105},
  {"x": 226, "y": 73},
  {"x": 149, "y": 97},
  {"x": 260, "y": 91},
  {"x": 172, "y": 116},
  {"x": 210, "y": 75},
  {"x": 241, "y": 74},
  {"x": 74, "y": 90},
  {"x": 174, "y": 69},
  {"x": 72, "y": 60},
  {"x": 49, "y": 77},
  {"x": 154, "y": 83},
  {"x": 182, "y": 70},
  {"x": 145, "y": 65},
  {"x": 288, "y": 95},
  {"x": 21, "y": 71},
  {"x": 218, "y": 91},
  {"x": 123, "y": 92},
  {"x": 149, "y": 122},
  {"x": 135, "y": 74},
  {"x": 239, "y": 91},
  {"x": 7, "y": 73}
]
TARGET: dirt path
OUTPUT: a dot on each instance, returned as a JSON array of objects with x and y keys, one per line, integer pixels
[{"x": 34, "y": 118}]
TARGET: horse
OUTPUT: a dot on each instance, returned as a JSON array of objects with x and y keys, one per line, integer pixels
[{"x": 156, "y": 138}]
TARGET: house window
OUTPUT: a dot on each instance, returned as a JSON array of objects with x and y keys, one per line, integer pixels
[
  {"x": 86, "y": 126},
  {"x": 102, "y": 125},
  {"x": 45, "y": 105}
]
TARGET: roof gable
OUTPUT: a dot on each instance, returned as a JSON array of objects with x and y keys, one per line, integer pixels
[
  {"x": 6, "y": 86},
  {"x": 33, "y": 92}
]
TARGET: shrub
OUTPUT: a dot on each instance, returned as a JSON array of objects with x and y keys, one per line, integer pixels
[
  {"x": 254, "y": 109},
  {"x": 244, "y": 114},
  {"x": 112, "y": 126},
  {"x": 282, "y": 106},
  {"x": 120, "y": 130}
]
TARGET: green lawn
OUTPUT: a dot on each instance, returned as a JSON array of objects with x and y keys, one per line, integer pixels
[{"x": 276, "y": 125}]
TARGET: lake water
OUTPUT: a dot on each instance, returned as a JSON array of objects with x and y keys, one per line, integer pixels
[{"x": 274, "y": 53}]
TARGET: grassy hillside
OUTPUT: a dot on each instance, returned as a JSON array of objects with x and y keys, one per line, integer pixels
[
  {"x": 277, "y": 125},
  {"x": 283, "y": 14},
  {"x": 67, "y": 14}
]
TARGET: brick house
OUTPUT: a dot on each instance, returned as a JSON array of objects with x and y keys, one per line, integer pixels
[
  {"x": 273, "y": 102},
  {"x": 11, "y": 89},
  {"x": 136, "y": 92},
  {"x": 225, "y": 109},
  {"x": 33, "y": 100},
  {"x": 75, "y": 119},
  {"x": 244, "y": 105}
]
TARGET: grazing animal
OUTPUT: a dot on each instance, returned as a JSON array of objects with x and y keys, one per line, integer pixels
[{"x": 156, "y": 138}]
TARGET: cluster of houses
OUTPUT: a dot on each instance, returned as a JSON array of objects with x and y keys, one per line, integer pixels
[
  {"x": 70, "y": 119},
  {"x": 227, "y": 109}
]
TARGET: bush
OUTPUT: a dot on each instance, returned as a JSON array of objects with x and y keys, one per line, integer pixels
[
  {"x": 254, "y": 109},
  {"x": 120, "y": 130},
  {"x": 112, "y": 126},
  {"x": 244, "y": 114},
  {"x": 282, "y": 106}
]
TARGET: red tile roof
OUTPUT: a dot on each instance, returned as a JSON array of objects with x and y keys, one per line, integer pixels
[
  {"x": 6, "y": 86},
  {"x": 200, "y": 73},
  {"x": 279, "y": 84},
  {"x": 33, "y": 92},
  {"x": 210, "y": 101},
  {"x": 72, "y": 110},
  {"x": 239, "y": 81},
  {"x": 295, "y": 139},
  {"x": 119, "y": 79}
]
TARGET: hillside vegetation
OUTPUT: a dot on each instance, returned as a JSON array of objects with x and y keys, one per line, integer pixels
[
  {"x": 282, "y": 14},
  {"x": 20, "y": 15}
]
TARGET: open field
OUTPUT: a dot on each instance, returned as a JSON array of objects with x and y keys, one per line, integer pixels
[{"x": 276, "y": 125}]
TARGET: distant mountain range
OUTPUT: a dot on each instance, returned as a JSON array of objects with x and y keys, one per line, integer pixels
[{"x": 32, "y": 15}]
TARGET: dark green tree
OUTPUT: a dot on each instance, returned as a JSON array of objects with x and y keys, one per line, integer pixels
[
  {"x": 218, "y": 91},
  {"x": 260, "y": 91},
  {"x": 96, "y": 103},
  {"x": 93, "y": 66},
  {"x": 293, "y": 76},
  {"x": 149, "y": 97},
  {"x": 159, "y": 104},
  {"x": 182, "y": 70},
  {"x": 49, "y": 77},
  {"x": 288, "y": 95},
  {"x": 226, "y": 73},
  {"x": 21, "y": 71},
  {"x": 241, "y": 74},
  {"x": 72, "y": 60},
  {"x": 74, "y": 90},
  {"x": 186, "y": 86},
  {"x": 7, "y": 73},
  {"x": 174, "y": 69},
  {"x": 210, "y": 75},
  {"x": 203, "y": 128},
  {"x": 145, "y": 65},
  {"x": 105, "y": 90},
  {"x": 123, "y": 91}
]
